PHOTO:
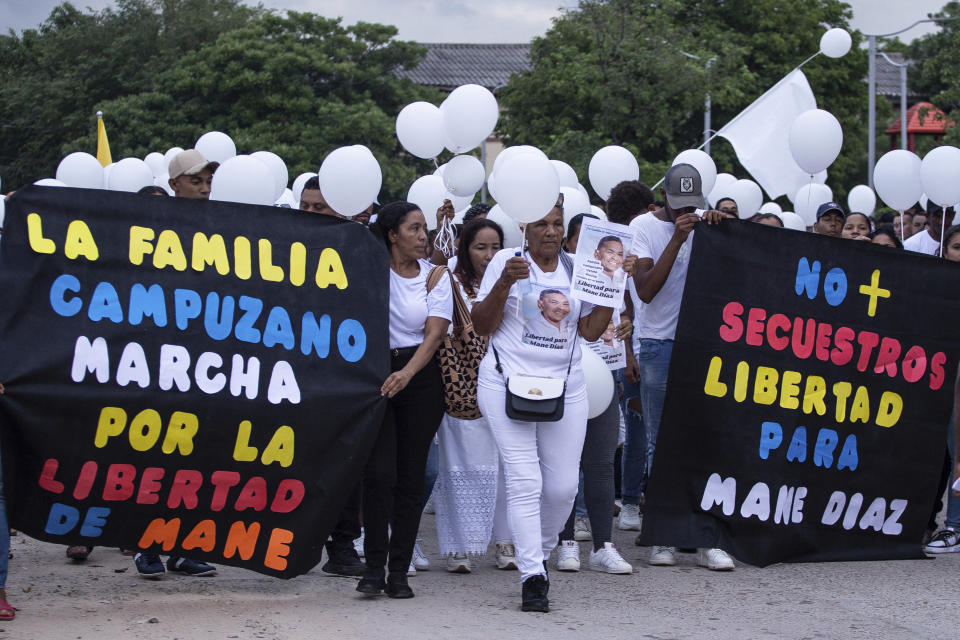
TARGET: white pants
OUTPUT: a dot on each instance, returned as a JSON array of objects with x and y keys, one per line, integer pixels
[{"x": 541, "y": 468}]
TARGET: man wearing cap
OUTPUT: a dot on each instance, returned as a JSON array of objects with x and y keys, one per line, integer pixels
[
  {"x": 662, "y": 245},
  {"x": 830, "y": 218},
  {"x": 191, "y": 175},
  {"x": 928, "y": 240}
]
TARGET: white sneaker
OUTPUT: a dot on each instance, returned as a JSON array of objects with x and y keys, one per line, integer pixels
[
  {"x": 458, "y": 563},
  {"x": 411, "y": 570},
  {"x": 581, "y": 530},
  {"x": 506, "y": 555},
  {"x": 947, "y": 540},
  {"x": 608, "y": 560},
  {"x": 629, "y": 518},
  {"x": 419, "y": 562},
  {"x": 715, "y": 559},
  {"x": 358, "y": 544},
  {"x": 568, "y": 556},
  {"x": 662, "y": 556}
]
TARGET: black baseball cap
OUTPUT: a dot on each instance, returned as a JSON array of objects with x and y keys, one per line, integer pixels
[
  {"x": 684, "y": 187},
  {"x": 827, "y": 207}
]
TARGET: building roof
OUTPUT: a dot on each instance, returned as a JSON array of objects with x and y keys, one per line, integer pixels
[
  {"x": 888, "y": 76},
  {"x": 447, "y": 66},
  {"x": 934, "y": 122}
]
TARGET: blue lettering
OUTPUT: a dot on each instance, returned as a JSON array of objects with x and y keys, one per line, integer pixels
[
  {"x": 823, "y": 451},
  {"x": 93, "y": 522},
  {"x": 187, "y": 305},
  {"x": 808, "y": 278},
  {"x": 798, "y": 446},
  {"x": 61, "y": 305},
  {"x": 848, "y": 454},
  {"x": 835, "y": 286},
  {"x": 351, "y": 340},
  {"x": 245, "y": 330},
  {"x": 105, "y": 303},
  {"x": 147, "y": 302},
  {"x": 218, "y": 325},
  {"x": 62, "y": 519},
  {"x": 771, "y": 435},
  {"x": 278, "y": 329},
  {"x": 315, "y": 336}
]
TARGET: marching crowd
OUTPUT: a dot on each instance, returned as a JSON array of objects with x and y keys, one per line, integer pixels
[{"x": 519, "y": 464}]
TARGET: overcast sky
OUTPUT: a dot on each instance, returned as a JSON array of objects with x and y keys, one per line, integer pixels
[{"x": 478, "y": 20}]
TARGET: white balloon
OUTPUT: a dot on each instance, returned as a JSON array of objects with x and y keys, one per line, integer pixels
[
  {"x": 597, "y": 211},
  {"x": 297, "y": 188},
  {"x": 808, "y": 199},
  {"x": 835, "y": 43},
  {"x": 924, "y": 201},
  {"x": 599, "y": 382},
  {"x": 565, "y": 173},
  {"x": 748, "y": 196},
  {"x": 819, "y": 178},
  {"x": 278, "y": 169},
  {"x": 129, "y": 174},
  {"x": 491, "y": 188},
  {"x": 470, "y": 113},
  {"x": 512, "y": 236},
  {"x": 81, "y": 170},
  {"x": 583, "y": 190},
  {"x": 861, "y": 199},
  {"x": 815, "y": 140},
  {"x": 243, "y": 179},
  {"x": 163, "y": 180},
  {"x": 420, "y": 129},
  {"x": 896, "y": 177},
  {"x": 792, "y": 221},
  {"x": 428, "y": 193},
  {"x": 157, "y": 163},
  {"x": 703, "y": 163},
  {"x": 168, "y": 157},
  {"x": 574, "y": 202},
  {"x": 771, "y": 207},
  {"x": 350, "y": 179},
  {"x": 940, "y": 175},
  {"x": 527, "y": 187},
  {"x": 287, "y": 199},
  {"x": 216, "y": 146},
  {"x": 609, "y": 167},
  {"x": 463, "y": 176},
  {"x": 49, "y": 182},
  {"x": 509, "y": 152},
  {"x": 721, "y": 188}
]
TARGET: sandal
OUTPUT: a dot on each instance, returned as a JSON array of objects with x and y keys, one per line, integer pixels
[
  {"x": 7, "y": 612},
  {"x": 79, "y": 552}
]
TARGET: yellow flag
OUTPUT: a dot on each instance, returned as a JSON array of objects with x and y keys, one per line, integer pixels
[{"x": 103, "y": 145}]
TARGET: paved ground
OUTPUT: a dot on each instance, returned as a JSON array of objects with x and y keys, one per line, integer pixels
[{"x": 105, "y": 599}]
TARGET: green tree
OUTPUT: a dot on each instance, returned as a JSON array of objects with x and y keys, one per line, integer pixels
[
  {"x": 616, "y": 71},
  {"x": 935, "y": 72}
]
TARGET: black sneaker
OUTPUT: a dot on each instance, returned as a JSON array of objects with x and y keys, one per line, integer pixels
[
  {"x": 343, "y": 561},
  {"x": 190, "y": 567},
  {"x": 534, "y": 595},
  {"x": 148, "y": 565},
  {"x": 397, "y": 586},
  {"x": 372, "y": 582}
]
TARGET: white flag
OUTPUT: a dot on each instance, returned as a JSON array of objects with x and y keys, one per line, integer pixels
[{"x": 760, "y": 135}]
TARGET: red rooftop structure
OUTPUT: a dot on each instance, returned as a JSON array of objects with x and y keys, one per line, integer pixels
[{"x": 933, "y": 123}]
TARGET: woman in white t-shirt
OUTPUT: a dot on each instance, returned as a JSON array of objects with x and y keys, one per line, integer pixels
[
  {"x": 469, "y": 497},
  {"x": 393, "y": 477},
  {"x": 540, "y": 459}
]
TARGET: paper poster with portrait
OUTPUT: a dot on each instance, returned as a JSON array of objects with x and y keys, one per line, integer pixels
[
  {"x": 547, "y": 314},
  {"x": 610, "y": 348},
  {"x": 598, "y": 274}
]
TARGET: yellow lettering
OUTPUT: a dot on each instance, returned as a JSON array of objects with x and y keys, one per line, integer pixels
[
  {"x": 145, "y": 430},
  {"x": 330, "y": 270},
  {"x": 713, "y": 386},
  {"x": 861, "y": 406},
  {"x": 242, "y": 451},
  {"x": 38, "y": 243},
  {"x": 268, "y": 271},
  {"x": 891, "y": 406},
  {"x": 842, "y": 391},
  {"x": 180, "y": 431},
  {"x": 210, "y": 250},
  {"x": 111, "y": 423},
  {"x": 740, "y": 382},
  {"x": 140, "y": 238},
  {"x": 169, "y": 252},
  {"x": 790, "y": 389},
  {"x": 80, "y": 242},
  {"x": 813, "y": 394},
  {"x": 298, "y": 264},
  {"x": 241, "y": 258},
  {"x": 280, "y": 448},
  {"x": 765, "y": 385}
]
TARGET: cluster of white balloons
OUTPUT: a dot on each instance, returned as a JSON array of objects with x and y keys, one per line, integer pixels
[{"x": 902, "y": 179}]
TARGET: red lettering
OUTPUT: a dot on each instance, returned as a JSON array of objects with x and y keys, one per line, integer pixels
[
  {"x": 937, "y": 374},
  {"x": 47, "y": 475},
  {"x": 732, "y": 328},
  {"x": 778, "y": 322},
  {"x": 887, "y": 357},
  {"x": 803, "y": 340},
  {"x": 288, "y": 497},
  {"x": 914, "y": 363},
  {"x": 119, "y": 483},
  {"x": 88, "y": 473},
  {"x": 150, "y": 485},
  {"x": 222, "y": 482},
  {"x": 186, "y": 484},
  {"x": 755, "y": 319},
  {"x": 822, "y": 346},
  {"x": 253, "y": 495},
  {"x": 842, "y": 346},
  {"x": 867, "y": 341}
]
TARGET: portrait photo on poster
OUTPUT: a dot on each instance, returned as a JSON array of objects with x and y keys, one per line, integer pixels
[
  {"x": 545, "y": 311},
  {"x": 610, "y": 348},
  {"x": 598, "y": 275}
]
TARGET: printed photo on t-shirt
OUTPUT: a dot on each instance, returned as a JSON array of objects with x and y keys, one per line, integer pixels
[
  {"x": 546, "y": 316},
  {"x": 598, "y": 275},
  {"x": 610, "y": 348}
]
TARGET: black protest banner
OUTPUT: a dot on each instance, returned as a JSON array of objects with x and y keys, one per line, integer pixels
[
  {"x": 187, "y": 377},
  {"x": 810, "y": 387}
]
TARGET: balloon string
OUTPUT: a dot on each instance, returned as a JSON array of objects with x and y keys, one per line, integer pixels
[
  {"x": 902, "y": 237},
  {"x": 943, "y": 228},
  {"x": 446, "y": 235}
]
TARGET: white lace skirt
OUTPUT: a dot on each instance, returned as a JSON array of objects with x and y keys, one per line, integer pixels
[{"x": 465, "y": 495}]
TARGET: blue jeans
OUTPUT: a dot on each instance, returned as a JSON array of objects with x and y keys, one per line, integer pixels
[
  {"x": 653, "y": 359},
  {"x": 580, "y": 505},
  {"x": 634, "y": 459},
  {"x": 953, "y": 503},
  {"x": 4, "y": 535},
  {"x": 431, "y": 472}
]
